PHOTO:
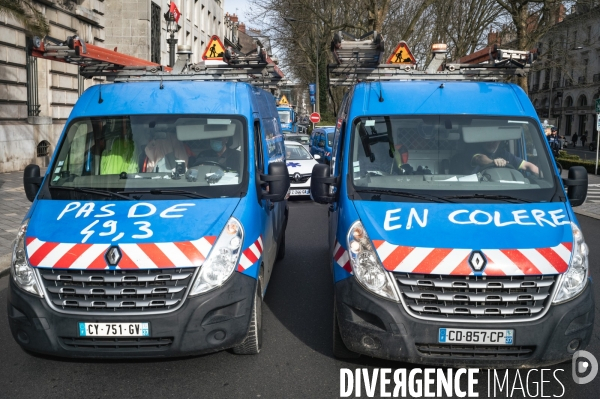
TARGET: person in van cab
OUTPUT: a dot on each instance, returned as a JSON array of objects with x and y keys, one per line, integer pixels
[
  {"x": 223, "y": 151},
  {"x": 163, "y": 151},
  {"x": 490, "y": 153}
]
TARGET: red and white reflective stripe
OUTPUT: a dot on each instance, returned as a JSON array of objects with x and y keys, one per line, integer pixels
[
  {"x": 341, "y": 257},
  {"x": 133, "y": 256},
  {"x": 251, "y": 255},
  {"x": 510, "y": 262}
]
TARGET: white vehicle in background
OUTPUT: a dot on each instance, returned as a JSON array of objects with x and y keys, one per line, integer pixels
[{"x": 300, "y": 165}]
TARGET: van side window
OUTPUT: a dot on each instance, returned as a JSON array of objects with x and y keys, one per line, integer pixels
[
  {"x": 258, "y": 149},
  {"x": 273, "y": 139}
]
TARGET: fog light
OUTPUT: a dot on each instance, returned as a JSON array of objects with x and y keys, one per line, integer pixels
[
  {"x": 370, "y": 343},
  {"x": 23, "y": 337},
  {"x": 573, "y": 346}
]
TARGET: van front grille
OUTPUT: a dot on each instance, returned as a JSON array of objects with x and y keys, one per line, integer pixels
[
  {"x": 476, "y": 351},
  {"x": 475, "y": 298},
  {"x": 116, "y": 291},
  {"x": 118, "y": 344}
]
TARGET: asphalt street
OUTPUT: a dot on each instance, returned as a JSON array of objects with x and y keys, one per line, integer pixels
[
  {"x": 583, "y": 153},
  {"x": 296, "y": 360}
]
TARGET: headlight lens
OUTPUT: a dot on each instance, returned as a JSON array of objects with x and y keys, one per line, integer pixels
[
  {"x": 366, "y": 266},
  {"x": 222, "y": 260},
  {"x": 22, "y": 273},
  {"x": 573, "y": 281}
]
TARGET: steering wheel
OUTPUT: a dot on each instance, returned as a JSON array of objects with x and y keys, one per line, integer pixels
[
  {"x": 493, "y": 165},
  {"x": 213, "y": 163}
]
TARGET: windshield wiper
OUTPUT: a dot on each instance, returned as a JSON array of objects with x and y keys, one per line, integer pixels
[
  {"x": 506, "y": 198},
  {"x": 105, "y": 193},
  {"x": 167, "y": 192},
  {"x": 427, "y": 197}
]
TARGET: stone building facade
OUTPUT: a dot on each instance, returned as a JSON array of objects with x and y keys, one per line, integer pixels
[
  {"x": 36, "y": 96},
  {"x": 138, "y": 27},
  {"x": 565, "y": 82}
]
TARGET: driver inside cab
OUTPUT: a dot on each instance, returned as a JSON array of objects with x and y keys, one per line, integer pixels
[{"x": 490, "y": 154}]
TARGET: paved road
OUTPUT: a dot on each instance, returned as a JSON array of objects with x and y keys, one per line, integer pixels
[
  {"x": 583, "y": 153},
  {"x": 296, "y": 361}
]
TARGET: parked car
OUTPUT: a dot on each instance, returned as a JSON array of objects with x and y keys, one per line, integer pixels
[
  {"x": 300, "y": 165},
  {"x": 303, "y": 139},
  {"x": 321, "y": 142}
]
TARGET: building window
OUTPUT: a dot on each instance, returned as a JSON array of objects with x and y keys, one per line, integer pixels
[
  {"x": 33, "y": 104},
  {"x": 569, "y": 101},
  {"x": 155, "y": 31},
  {"x": 43, "y": 149}
]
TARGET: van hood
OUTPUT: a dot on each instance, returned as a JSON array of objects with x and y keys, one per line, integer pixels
[
  {"x": 151, "y": 234},
  {"x": 469, "y": 239}
]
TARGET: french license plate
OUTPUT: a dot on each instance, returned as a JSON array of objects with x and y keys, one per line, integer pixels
[
  {"x": 300, "y": 192},
  {"x": 477, "y": 337},
  {"x": 114, "y": 329}
]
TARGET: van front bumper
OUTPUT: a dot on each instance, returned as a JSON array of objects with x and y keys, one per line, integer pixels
[
  {"x": 380, "y": 328},
  {"x": 205, "y": 323}
]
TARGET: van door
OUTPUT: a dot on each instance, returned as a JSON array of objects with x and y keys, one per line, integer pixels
[
  {"x": 272, "y": 151},
  {"x": 336, "y": 166}
]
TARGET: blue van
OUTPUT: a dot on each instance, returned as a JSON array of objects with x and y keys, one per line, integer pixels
[
  {"x": 157, "y": 225},
  {"x": 321, "y": 142},
  {"x": 452, "y": 235}
]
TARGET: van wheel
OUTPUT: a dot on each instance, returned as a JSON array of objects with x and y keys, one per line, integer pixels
[
  {"x": 340, "y": 350},
  {"x": 252, "y": 344},
  {"x": 281, "y": 249}
]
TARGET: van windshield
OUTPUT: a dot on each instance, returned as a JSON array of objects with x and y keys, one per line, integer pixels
[
  {"x": 284, "y": 116},
  {"x": 201, "y": 154},
  {"x": 450, "y": 156}
]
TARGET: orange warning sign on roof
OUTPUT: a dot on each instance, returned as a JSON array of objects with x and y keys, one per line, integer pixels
[
  {"x": 214, "y": 50},
  {"x": 401, "y": 55},
  {"x": 284, "y": 100}
]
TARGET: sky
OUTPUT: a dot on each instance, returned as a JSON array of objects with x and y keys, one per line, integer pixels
[{"x": 242, "y": 7}]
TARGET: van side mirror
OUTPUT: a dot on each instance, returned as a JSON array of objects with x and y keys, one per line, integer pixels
[
  {"x": 577, "y": 185},
  {"x": 320, "y": 182},
  {"x": 31, "y": 181},
  {"x": 278, "y": 181}
]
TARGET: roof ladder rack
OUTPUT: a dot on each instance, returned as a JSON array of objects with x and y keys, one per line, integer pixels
[
  {"x": 360, "y": 60},
  {"x": 95, "y": 61}
]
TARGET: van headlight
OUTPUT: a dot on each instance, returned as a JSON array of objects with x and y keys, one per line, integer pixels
[
  {"x": 573, "y": 281},
  {"x": 222, "y": 259},
  {"x": 22, "y": 273},
  {"x": 366, "y": 266}
]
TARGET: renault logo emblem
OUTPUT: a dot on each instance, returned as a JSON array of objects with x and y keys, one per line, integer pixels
[
  {"x": 113, "y": 256},
  {"x": 297, "y": 177},
  {"x": 477, "y": 261}
]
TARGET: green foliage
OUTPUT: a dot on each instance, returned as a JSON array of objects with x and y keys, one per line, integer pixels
[
  {"x": 566, "y": 163},
  {"x": 26, "y": 13}
]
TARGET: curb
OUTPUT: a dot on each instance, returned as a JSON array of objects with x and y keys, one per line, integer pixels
[
  {"x": 5, "y": 265},
  {"x": 586, "y": 213}
]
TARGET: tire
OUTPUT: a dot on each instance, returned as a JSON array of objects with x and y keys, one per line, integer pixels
[
  {"x": 252, "y": 344},
  {"x": 281, "y": 248},
  {"x": 340, "y": 350}
]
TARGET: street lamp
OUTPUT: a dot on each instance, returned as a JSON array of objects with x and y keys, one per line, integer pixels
[
  {"x": 172, "y": 27},
  {"x": 290, "y": 20}
]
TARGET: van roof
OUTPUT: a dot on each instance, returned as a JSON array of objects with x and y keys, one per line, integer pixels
[
  {"x": 428, "y": 97},
  {"x": 176, "y": 97}
]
